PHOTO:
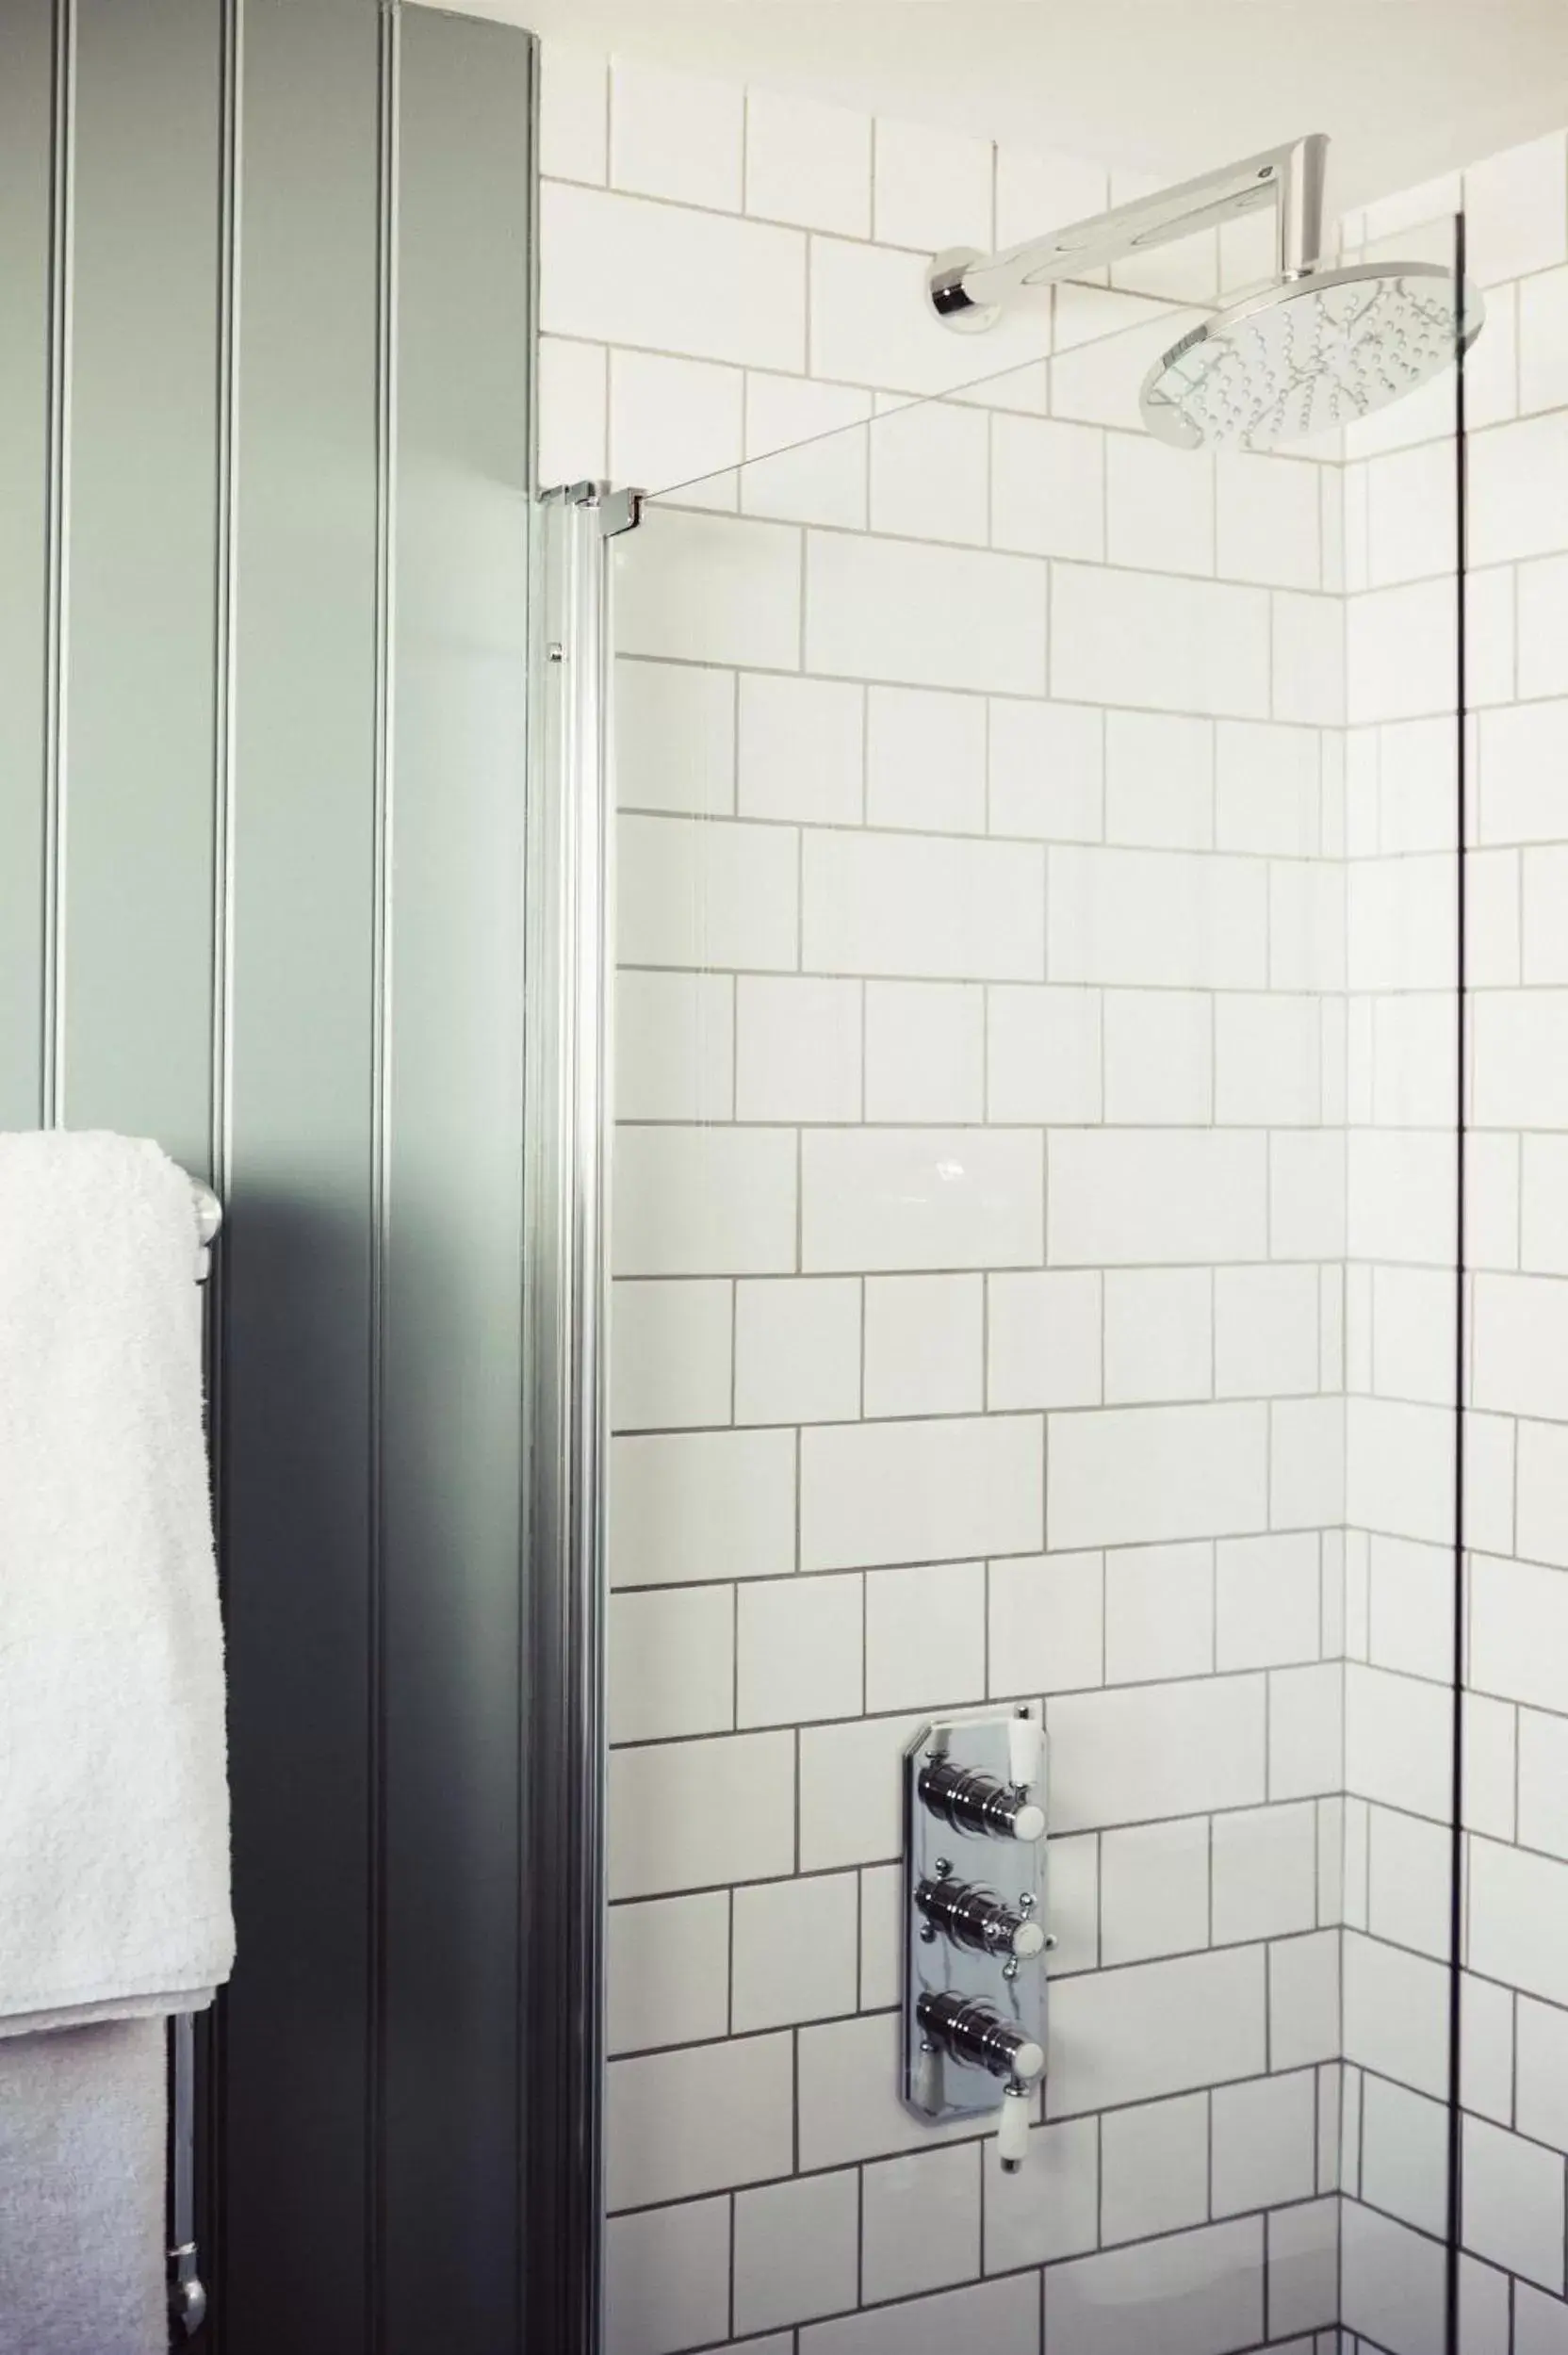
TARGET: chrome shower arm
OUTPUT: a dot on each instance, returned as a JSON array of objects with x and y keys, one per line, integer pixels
[{"x": 966, "y": 289}]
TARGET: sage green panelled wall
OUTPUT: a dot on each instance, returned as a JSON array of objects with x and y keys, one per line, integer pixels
[
  {"x": 265, "y": 361},
  {"x": 27, "y": 703}
]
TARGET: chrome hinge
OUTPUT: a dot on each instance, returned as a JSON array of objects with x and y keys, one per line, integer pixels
[{"x": 619, "y": 510}]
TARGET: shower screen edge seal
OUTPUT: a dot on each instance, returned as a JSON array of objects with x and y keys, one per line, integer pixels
[
  {"x": 1456, "y": 1877},
  {"x": 569, "y": 931}
]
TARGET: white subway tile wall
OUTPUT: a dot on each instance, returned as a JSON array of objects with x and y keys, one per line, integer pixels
[{"x": 1034, "y": 1193}]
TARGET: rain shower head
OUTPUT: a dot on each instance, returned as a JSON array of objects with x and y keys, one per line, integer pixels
[
  {"x": 1315, "y": 348},
  {"x": 1310, "y": 354}
]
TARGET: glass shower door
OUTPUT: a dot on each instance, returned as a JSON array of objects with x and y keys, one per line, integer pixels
[{"x": 1027, "y": 1057}]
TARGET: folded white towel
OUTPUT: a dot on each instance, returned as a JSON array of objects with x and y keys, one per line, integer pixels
[{"x": 114, "y": 1831}]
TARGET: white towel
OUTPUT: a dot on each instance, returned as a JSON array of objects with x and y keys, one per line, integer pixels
[
  {"x": 82, "y": 2122},
  {"x": 114, "y": 1832}
]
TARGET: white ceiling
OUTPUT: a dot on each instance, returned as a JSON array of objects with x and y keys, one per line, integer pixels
[{"x": 1407, "y": 88}]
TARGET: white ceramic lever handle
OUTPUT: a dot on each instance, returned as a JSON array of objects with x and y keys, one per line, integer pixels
[
  {"x": 1028, "y": 2064},
  {"x": 1012, "y": 2128},
  {"x": 1024, "y": 1752}
]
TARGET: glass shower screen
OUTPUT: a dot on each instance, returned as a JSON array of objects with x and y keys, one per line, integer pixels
[{"x": 1034, "y": 1252}]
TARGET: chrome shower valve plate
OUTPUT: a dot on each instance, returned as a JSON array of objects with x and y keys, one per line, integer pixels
[{"x": 975, "y": 1923}]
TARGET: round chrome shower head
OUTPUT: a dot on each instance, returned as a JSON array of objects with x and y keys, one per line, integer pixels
[{"x": 1310, "y": 354}]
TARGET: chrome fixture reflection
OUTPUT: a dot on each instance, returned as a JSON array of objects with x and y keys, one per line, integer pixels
[{"x": 1313, "y": 349}]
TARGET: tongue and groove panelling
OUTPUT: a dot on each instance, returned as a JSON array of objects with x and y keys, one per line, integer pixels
[{"x": 265, "y": 420}]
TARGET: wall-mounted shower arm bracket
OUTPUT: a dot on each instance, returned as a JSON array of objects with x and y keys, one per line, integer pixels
[{"x": 969, "y": 290}]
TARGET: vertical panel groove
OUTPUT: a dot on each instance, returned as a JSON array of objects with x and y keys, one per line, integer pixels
[
  {"x": 225, "y": 597},
  {"x": 448, "y": 1563},
  {"x": 388, "y": 62},
  {"x": 253, "y": 762},
  {"x": 298, "y": 1251},
  {"x": 51, "y": 1108},
  {"x": 141, "y": 540},
  {"x": 211, "y": 2075},
  {"x": 523, "y": 1794},
  {"x": 27, "y": 150}
]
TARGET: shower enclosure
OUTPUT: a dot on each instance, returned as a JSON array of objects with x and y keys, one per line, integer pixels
[{"x": 1037, "y": 1281}]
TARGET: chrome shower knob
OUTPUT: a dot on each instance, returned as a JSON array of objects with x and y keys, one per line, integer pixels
[
  {"x": 973, "y": 1802},
  {"x": 979, "y": 1920},
  {"x": 971, "y": 2031}
]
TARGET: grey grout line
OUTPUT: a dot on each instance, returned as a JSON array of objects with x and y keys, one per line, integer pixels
[
  {"x": 1075, "y": 1409},
  {"x": 982, "y": 2133},
  {"x": 1029, "y": 697},
  {"x": 799, "y": 1871},
  {"x": 1138, "y": 1825}
]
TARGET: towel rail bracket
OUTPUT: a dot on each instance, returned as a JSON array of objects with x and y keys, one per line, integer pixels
[{"x": 188, "y": 2295}]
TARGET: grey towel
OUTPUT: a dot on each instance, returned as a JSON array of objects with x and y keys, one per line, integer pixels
[{"x": 82, "y": 2123}]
